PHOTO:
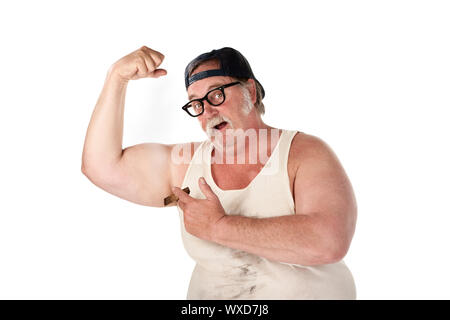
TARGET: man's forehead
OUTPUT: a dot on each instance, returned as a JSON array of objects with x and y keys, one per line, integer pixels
[{"x": 199, "y": 88}]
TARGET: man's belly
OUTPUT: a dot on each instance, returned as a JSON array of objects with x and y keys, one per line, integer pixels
[{"x": 272, "y": 280}]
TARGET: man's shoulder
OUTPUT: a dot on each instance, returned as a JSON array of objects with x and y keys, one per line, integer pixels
[
  {"x": 304, "y": 142},
  {"x": 307, "y": 147}
]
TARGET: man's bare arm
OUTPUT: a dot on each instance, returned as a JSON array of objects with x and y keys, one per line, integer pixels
[
  {"x": 321, "y": 230},
  {"x": 140, "y": 173}
]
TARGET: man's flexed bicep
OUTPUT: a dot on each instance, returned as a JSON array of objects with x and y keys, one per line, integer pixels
[
  {"x": 142, "y": 175},
  {"x": 145, "y": 173}
]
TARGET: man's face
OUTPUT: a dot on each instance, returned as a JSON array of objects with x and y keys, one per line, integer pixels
[{"x": 233, "y": 107}]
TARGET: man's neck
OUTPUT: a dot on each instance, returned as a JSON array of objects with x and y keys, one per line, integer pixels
[{"x": 252, "y": 146}]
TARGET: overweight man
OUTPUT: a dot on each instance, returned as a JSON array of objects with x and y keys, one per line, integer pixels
[{"x": 266, "y": 213}]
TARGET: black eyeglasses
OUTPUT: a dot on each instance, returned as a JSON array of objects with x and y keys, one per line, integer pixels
[{"x": 215, "y": 97}]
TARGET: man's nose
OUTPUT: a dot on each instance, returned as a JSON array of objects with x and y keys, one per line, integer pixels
[{"x": 209, "y": 109}]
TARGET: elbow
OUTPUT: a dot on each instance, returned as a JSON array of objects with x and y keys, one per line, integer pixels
[
  {"x": 93, "y": 165},
  {"x": 104, "y": 176},
  {"x": 334, "y": 255},
  {"x": 331, "y": 244},
  {"x": 323, "y": 254},
  {"x": 90, "y": 171},
  {"x": 85, "y": 168},
  {"x": 84, "y": 163},
  {"x": 334, "y": 251}
]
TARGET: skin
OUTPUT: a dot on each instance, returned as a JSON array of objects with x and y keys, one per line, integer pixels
[{"x": 319, "y": 232}]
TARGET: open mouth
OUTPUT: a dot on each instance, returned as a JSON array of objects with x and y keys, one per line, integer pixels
[{"x": 220, "y": 125}]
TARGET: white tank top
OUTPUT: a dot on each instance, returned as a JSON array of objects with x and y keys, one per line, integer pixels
[{"x": 225, "y": 273}]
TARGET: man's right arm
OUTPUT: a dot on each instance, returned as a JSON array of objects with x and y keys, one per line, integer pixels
[{"x": 142, "y": 173}]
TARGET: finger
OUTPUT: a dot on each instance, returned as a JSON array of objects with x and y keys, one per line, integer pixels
[
  {"x": 181, "y": 204},
  {"x": 149, "y": 63},
  {"x": 206, "y": 189},
  {"x": 141, "y": 68},
  {"x": 183, "y": 196},
  {"x": 156, "y": 56}
]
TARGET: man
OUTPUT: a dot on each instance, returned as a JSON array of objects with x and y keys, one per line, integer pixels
[{"x": 274, "y": 228}]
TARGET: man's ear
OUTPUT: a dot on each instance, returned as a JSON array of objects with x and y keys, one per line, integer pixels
[{"x": 252, "y": 90}]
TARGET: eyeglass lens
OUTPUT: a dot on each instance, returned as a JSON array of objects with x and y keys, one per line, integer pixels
[{"x": 215, "y": 98}]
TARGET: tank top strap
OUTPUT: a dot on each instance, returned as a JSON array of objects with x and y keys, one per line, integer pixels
[
  {"x": 278, "y": 161},
  {"x": 285, "y": 146}
]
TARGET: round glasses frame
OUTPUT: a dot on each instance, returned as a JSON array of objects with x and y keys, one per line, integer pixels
[{"x": 221, "y": 88}]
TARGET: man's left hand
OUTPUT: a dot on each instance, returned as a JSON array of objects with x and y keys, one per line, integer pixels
[{"x": 201, "y": 216}]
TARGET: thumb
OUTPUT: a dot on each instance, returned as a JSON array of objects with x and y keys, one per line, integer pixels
[
  {"x": 206, "y": 189},
  {"x": 158, "y": 73}
]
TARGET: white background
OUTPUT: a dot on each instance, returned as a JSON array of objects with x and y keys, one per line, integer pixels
[{"x": 371, "y": 78}]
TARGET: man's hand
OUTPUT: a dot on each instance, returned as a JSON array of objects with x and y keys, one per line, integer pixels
[
  {"x": 201, "y": 216},
  {"x": 142, "y": 63}
]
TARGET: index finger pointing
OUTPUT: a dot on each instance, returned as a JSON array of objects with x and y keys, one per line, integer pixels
[{"x": 183, "y": 196}]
